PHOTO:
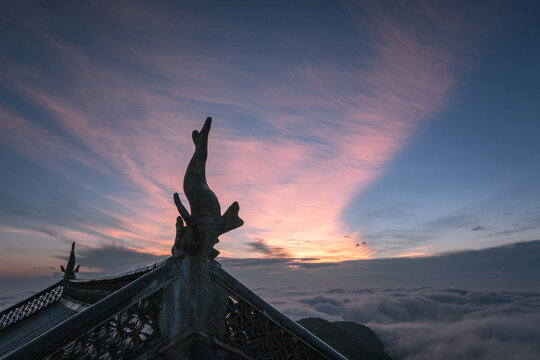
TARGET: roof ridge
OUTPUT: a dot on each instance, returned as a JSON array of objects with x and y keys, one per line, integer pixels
[{"x": 140, "y": 269}]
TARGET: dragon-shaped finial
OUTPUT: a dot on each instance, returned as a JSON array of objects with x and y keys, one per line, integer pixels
[
  {"x": 70, "y": 269},
  {"x": 205, "y": 223}
]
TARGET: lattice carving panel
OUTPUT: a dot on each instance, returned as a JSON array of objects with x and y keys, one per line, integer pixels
[
  {"x": 120, "y": 337},
  {"x": 250, "y": 330},
  {"x": 31, "y": 306}
]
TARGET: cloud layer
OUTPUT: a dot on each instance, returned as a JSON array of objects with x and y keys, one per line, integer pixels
[{"x": 428, "y": 323}]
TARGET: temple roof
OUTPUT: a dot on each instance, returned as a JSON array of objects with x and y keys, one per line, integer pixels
[{"x": 69, "y": 311}]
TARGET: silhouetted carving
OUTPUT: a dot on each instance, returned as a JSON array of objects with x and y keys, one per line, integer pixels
[
  {"x": 205, "y": 223},
  {"x": 70, "y": 269}
]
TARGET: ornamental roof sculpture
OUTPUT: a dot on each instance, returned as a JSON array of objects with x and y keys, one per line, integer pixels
[
  {"x": 205, "y": 223},
  {"x": 183, "y": 307},
  {"x": 70, "y": 269}
]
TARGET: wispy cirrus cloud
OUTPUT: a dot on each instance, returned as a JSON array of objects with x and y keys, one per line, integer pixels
[
  {"x": 312, "y": 134},
  {"x": 354, "y": 119}
]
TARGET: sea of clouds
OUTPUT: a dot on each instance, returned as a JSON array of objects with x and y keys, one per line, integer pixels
[
  {"x": 428, "y": 323},
  {"x": 419, "y": 323}
]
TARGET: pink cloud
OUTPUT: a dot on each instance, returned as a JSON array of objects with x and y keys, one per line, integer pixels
[
  {"x": 302, "y": 187},
  {"x": 341, "y": 126},
  {"x": 43, "y": 146}
]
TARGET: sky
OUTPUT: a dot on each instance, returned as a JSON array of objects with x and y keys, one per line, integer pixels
[{"x": 345, "y": 130}]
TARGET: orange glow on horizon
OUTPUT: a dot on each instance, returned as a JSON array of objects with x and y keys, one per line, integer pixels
[{"x": 413, "y": 254}]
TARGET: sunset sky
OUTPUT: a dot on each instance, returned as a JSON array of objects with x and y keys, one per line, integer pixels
[{"x": 345, "y": 130}]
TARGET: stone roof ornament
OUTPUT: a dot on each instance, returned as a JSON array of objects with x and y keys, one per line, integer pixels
[
  {"x": 205, "y": 223},
  {"x": 70, "y": 269}
]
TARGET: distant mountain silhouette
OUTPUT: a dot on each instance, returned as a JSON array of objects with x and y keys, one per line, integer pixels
[{"x": 352, "y": 340}]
